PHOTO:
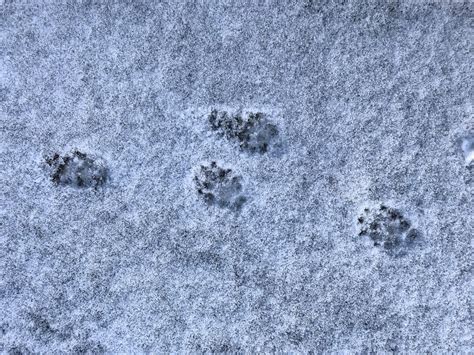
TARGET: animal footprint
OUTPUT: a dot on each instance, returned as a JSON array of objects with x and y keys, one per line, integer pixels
[
  {"x": 77, "y": 169},
  {"x": 253, "y": 132},
  {"x": 388, "y": 229},
  {"x": 218, "y": 186}
]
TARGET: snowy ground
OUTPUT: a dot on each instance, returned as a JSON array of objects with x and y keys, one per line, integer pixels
[{"x": 326, "y": 206}]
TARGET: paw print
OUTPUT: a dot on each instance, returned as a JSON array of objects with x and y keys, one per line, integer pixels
[
  {"x": 253, "y": 132},
  {"x": 77, "y": 169},
  {"x": 220, "y": 187},
  {"x": 388, "y": 229}
]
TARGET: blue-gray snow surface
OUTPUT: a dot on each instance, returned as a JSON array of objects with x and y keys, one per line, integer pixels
[{"x": 236, "y": 176}]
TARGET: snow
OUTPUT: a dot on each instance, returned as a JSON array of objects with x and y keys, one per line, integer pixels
[{"x": 373, "y": 105}]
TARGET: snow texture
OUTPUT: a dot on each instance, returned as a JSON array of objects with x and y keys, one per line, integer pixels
[{"x": 107, "y": 134}]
